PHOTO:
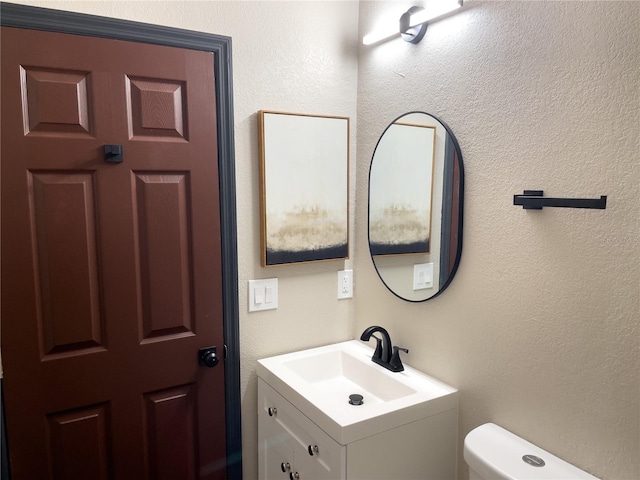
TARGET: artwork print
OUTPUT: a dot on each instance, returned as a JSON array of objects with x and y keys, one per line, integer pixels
[
  {"x": 304, "y": 173},
  {"x": 401, "y": 185}
]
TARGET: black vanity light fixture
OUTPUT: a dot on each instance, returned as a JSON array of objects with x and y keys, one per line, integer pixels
[{"x": 413, "y": 23}]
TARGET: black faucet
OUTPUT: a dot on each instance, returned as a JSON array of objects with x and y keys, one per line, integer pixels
[{"x": 383, "y": 355}]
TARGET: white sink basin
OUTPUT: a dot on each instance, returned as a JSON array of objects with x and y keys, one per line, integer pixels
[
  {"x": 320, "y": 380},
  {"x": 337, "y": 374}
]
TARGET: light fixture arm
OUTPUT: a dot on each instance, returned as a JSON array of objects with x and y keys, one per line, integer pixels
[{"x": 407, "y": 32}]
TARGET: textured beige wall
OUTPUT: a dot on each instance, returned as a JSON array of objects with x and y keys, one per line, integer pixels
[
  {"x": 287, "y": 56},
  {"x": 539, "y": 329}
]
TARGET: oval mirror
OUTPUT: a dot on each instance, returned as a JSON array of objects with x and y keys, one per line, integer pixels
[{"x": 415, "y": 206}]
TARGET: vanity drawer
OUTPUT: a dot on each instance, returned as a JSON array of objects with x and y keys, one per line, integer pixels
[
  {"x": 275, "y": 455},
  {"x": 315, "y": 453}
]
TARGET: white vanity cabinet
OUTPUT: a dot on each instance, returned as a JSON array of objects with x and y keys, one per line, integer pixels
[{"x": 291, "y": 446}]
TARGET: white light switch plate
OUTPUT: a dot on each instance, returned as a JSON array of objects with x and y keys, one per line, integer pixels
[
  {"x": 422, "y": 276},
  {"x": 263, "y": 294}
]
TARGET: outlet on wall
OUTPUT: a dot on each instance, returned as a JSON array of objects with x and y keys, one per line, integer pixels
[{"x": 345, "y": 284}]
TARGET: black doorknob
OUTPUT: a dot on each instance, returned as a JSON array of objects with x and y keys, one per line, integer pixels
[{"x": 207, "y": 357}]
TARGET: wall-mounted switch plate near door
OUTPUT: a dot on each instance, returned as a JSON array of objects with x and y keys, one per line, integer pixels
[
  {"x": 345, "y": 284},
  {"x": 423, "y": 276},
  {"x": 263, "y": 294}
]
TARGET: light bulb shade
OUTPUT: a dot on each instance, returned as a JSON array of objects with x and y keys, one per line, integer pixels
[
  {"x": 380, "y": 34},
  {"x": 433, "y": 10}
]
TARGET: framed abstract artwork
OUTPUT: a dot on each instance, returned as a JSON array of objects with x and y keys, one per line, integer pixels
[
  {"x": 400, "y": 190},
  {"x": 304, "y": 170}
]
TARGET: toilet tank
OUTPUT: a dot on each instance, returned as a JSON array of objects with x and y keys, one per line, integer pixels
[{"x": 494, "y": 453}]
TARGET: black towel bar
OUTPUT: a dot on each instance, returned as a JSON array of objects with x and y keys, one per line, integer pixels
[{"x": 534, "y": 200}]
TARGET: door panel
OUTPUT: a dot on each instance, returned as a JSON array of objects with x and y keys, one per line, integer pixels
[
  {"x": 111, "y": 272},
  {"x": 163, "y": 230},
  {"x": 156, "y": 109},
  {"x": 171, "y": 432},
  {"x": 62, "y": 208},
  {"x": 79, "y": 443},
  {"x": 55, "y": 102}
]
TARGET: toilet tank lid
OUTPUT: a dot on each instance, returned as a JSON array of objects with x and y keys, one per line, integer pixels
[{"x": 496, "y": 453}]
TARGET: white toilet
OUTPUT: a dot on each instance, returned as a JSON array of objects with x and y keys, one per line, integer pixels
[{"x": 494, "y": 453}]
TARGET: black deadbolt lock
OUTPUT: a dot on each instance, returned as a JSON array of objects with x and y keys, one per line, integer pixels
[
  {"x": 207, "y": 357},
  {"x": 113, "y": 153}
]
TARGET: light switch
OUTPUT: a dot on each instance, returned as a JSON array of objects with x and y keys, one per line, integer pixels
[
  {"x": 263, "y": 294},
  {"x": 268, "y": 294},
  {"x": 422, "y": 276},
  {"x": 258, "y": 295}
]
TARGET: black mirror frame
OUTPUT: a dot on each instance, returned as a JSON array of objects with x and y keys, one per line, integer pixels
[{"x": 458, "y": 157}]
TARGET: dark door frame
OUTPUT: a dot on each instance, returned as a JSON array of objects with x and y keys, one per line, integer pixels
[{"x": 36, "y": 18}]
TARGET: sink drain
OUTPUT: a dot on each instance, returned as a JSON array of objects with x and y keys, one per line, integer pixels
[{"x": 355, "y": 399}]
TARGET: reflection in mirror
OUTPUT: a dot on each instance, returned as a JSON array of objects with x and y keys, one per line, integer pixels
[
  {"x": 415, "y": 206},
  {"x": 400, "y": 212}
]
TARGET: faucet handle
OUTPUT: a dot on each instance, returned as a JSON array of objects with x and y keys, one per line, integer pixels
[
  {"x": 395, "y": 363},
  {"x": 378, "y": 351}
]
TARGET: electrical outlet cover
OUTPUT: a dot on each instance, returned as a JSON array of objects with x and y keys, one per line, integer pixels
[{"x": 345, "y": 284}]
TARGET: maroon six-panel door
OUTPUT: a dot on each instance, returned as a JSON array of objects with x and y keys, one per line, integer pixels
[{"x": 111, "y": 268}]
